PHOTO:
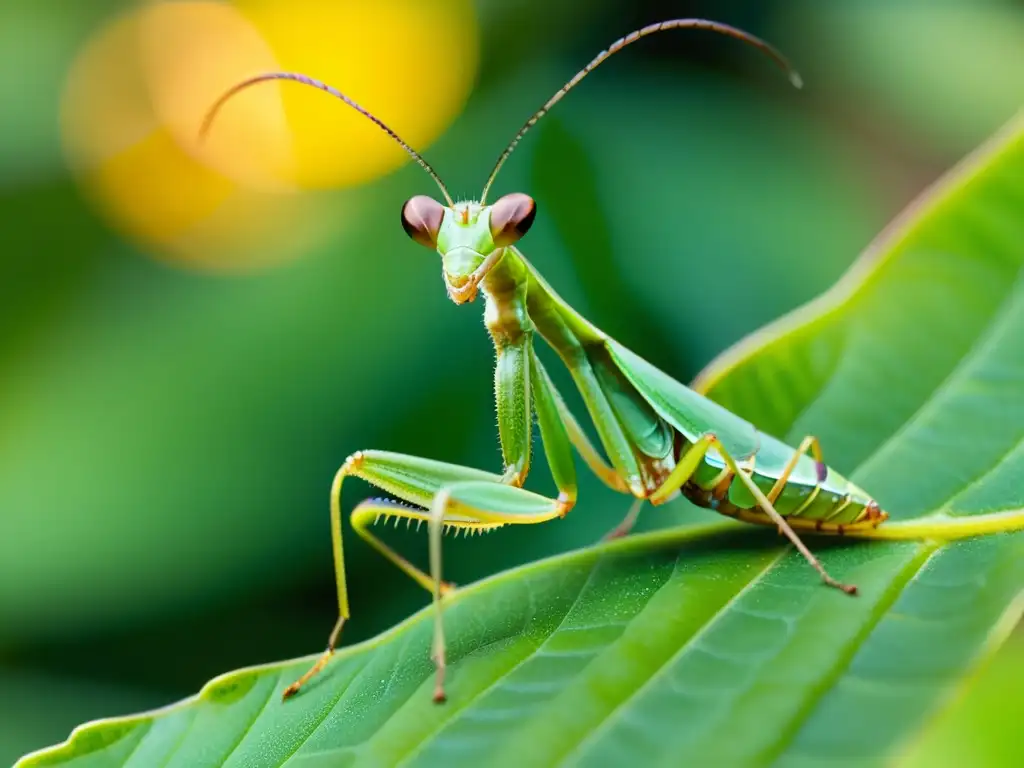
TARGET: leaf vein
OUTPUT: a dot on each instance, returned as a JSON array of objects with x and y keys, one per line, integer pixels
[
  {"x": 142, "y": 738},
  {"x": 845, "y": 657}
]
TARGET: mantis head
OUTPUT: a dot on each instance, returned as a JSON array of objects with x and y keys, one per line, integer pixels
[{"x": 469, "y": 236}]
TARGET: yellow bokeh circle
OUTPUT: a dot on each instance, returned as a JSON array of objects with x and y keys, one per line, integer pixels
[
  {"x": 410, "y": 62},
  {"x": 137, "y": 93}
]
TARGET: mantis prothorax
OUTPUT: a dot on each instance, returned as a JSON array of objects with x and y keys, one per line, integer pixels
[{"x": 660, "y": 437}]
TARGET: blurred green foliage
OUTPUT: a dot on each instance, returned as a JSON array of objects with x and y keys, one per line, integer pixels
[{"x": 167, "y": 438}]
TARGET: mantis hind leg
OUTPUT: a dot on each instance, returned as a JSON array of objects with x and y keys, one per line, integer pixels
[
  {"x": 682, "y": 472},
  {"x": 691, "y": 459},
  {"x": 627, "y": 523},
  {"x": 810, "y": 445},
  {"x": 766, "y": 506}
]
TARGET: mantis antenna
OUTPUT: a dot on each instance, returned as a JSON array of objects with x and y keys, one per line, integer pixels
[
  {"x": 618, "y": 45},
  {"x": 304, "y": 80}
]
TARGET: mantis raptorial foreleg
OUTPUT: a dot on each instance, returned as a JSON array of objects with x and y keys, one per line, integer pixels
[
  {"x": 481, "y": 504},
  {"x": 444, "y": 496},
  {"x": 512, "y": 389},
  {"x": 439, "y": 491}
]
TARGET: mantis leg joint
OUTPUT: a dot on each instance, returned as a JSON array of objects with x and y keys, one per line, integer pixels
[
  {"x": 565, "y": 502},
  {"x": 353, "y": 463}
]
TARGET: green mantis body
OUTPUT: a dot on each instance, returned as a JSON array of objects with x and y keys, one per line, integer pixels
[{"x": 659, "y": 438}]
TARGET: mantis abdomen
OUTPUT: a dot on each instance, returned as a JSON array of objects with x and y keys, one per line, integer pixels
[{"x": 811, "y": 496}]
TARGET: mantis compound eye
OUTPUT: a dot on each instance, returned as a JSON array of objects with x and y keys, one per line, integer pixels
[
  {"x": 421, "y": 219},
  {"x": 511, "y": 217}
]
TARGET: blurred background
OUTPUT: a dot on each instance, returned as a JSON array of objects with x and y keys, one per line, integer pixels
[{"x": 193, "y": 337}]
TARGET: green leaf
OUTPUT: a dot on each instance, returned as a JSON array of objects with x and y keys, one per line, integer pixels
[
  {"x": 717, "y": 642},
  {"x": 982, "y": 727}
]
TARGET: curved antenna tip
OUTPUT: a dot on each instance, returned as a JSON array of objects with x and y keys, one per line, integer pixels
[
  {"x": 312, "y": 82},
  {"x": 618, "y": 45},
  {"x": 204, "y": 130}
]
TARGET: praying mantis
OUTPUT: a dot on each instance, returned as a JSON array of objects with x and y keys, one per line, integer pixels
[{"x": 658, "y": 438}]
